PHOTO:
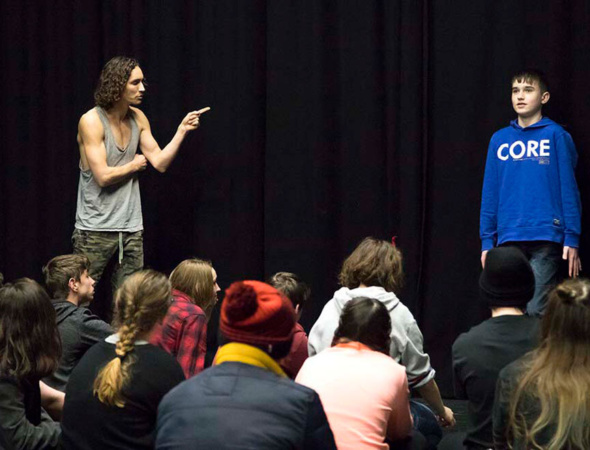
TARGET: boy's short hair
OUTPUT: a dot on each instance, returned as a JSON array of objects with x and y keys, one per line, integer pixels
[
  {"x": 59, "y": 270},
  {"x": 292, "y": 287},
  {"x": 530, "y": 75}
]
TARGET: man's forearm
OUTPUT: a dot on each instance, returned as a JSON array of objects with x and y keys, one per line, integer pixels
[
  {"x": 165, "y": 157},
  {"x": 113, "y": 175},
  {"x": 431, "y": 394}
]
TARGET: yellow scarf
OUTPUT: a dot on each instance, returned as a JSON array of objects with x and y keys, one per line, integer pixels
[{"x": 247, "y": 354}]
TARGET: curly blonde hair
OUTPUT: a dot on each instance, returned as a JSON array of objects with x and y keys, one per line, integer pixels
[{"x": 112, "y": 81}]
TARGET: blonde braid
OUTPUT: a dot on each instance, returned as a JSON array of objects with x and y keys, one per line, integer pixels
[
  {"x": 129, "y": 329},
  {"x": 112, "y": 378}
]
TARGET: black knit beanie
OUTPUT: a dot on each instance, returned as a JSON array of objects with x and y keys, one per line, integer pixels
[{"x": 507, "y": 279}]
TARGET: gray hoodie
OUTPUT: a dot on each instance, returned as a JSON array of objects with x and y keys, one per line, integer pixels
[
  {"x": 79, "y": 330},
  {"x": 406, "y": 338}
]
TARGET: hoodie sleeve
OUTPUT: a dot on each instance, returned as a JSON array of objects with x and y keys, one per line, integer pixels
[
  {"x": 417, "y": 362},
  {"x": 488, "y": 218},
  {"x": 322, "y": 332},
  {"x": 92, "y": 329},
  {"x": 570, "y": 196}
]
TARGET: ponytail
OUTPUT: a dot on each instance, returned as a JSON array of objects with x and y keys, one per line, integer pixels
[{"x": 113, "y": 377}]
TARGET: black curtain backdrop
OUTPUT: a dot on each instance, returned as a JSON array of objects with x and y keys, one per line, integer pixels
[{"x": 330, "y": 121}]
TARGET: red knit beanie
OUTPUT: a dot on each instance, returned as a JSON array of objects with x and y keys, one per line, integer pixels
[{"x": 256, "y": 313}]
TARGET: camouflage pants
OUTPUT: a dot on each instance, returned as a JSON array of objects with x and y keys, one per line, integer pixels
[{"x": 101, "y": 246}]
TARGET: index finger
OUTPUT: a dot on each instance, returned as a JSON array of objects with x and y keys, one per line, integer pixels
[{"x": 202, "y": 111}]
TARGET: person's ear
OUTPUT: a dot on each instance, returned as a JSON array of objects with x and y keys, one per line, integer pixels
[
  {"x": 72, "y": 284},
  {"x": 545, "y": 97},
  {"x": 298, "y": 312}
]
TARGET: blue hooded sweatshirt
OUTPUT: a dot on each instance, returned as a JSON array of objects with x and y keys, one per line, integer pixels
[{"x": 529, "y": 188}]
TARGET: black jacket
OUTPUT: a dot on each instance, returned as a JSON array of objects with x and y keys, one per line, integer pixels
[{"x": 478, "y": 357}]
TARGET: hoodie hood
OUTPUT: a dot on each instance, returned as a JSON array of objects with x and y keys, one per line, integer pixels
[
  {"x": 343, "y": 295},
  {"x": 63, "y": 310},
  {"x": 545, "y": 121},
  {"x": 406, "y": 337}
]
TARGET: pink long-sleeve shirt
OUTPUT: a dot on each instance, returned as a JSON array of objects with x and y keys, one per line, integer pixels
[{"x": 364, "y": 393}]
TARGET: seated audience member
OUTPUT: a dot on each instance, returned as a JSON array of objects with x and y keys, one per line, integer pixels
[
  {"x": 298, "y": 292},
  {"x": 70, "y": 286},
  {"x": 245, "y": 400},
  {"x": 183, "y": 332},
  {"x": 374, "y": 270},
  {"x": 363, "y": 390},
  {"x": 507, "y": 283},
  {"x": 542, "y": 399},
  {"x": 29, "y": 351},
  {"x": 113, "y": 393}
]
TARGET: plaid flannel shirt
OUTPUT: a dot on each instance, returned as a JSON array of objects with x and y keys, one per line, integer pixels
[{"x": 183, "y": 334}]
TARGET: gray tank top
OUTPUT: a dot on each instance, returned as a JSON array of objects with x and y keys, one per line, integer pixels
[{"x": 116, "y": 207}]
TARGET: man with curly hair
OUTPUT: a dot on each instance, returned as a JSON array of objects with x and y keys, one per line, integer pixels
[{"x": 108, "y": 217}]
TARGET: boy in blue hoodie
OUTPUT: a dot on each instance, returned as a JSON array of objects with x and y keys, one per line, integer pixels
[{"x": 530, "y": 198}]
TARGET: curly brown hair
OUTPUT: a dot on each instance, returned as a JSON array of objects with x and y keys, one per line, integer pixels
[
  {"x": 112, "y": 81},
  {"x": 373, "y": 263}
]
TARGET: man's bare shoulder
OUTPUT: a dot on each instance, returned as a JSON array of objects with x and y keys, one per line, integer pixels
[
  {"x": 90, "y": 119},
  {"x": 90, "y": 127},
  {"x": 139, "y": 115}
]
